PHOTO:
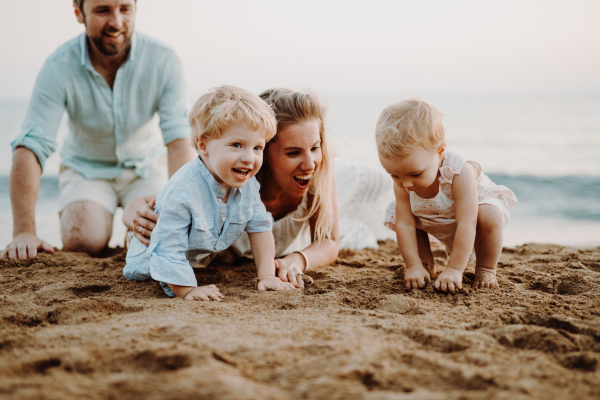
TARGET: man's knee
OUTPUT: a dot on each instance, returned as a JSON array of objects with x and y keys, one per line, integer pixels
[{"x": 86, "y": 227}]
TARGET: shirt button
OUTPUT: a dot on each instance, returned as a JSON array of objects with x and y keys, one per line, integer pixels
[
  {"x": 223, "y": 191},
  {"x": 242, "y": 218},
  {"x": 219, "y": 200},
  {"x": 154, "y": 239},
  {"x": 223, "y": 219}
]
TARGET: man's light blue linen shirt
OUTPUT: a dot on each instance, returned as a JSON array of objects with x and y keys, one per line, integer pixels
[
  {"x": 108, "y": 130},
  {"x": 194, "y": 220}
]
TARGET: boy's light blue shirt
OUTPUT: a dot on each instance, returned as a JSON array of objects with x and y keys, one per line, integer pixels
[
  {"x": 194, "y": 220},
  {"x": 108, "y": 130}
]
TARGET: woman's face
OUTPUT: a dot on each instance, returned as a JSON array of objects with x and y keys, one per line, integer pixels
[{"x": 295, "y": 156}]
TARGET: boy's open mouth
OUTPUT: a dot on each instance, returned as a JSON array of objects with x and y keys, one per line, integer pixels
[
  {"x": 302, "y": 180},
  {"x": 241, "y": 173}
]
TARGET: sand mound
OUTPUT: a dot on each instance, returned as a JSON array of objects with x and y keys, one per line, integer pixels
[{"x": 73, "y": 327}]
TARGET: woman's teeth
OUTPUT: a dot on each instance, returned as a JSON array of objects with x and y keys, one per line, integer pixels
[{"x": 302, "y": 180}]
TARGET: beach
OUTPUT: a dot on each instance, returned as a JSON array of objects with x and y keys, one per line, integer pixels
[{"x": 73, "y": 327}]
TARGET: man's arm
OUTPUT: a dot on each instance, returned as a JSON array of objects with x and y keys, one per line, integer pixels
[
  {"x": 179, "y": 152},
  {"x": 24, "y": 185}
]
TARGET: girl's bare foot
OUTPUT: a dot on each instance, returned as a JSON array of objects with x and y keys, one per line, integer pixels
[{"x": 485, "y": 278}]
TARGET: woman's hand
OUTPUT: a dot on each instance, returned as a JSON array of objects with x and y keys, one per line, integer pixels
[
  {"x": 144, "y": 221},
  {"x": 290, "y": 267}
]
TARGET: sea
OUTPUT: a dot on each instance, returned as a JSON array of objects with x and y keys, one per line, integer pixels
[{"x": 545, "y": 147}]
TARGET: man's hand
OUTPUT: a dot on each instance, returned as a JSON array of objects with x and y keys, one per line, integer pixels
[
  {"x": 144, "y": 222},
  {"x": 273, "y": 283},
  {"x": 450, "y": 280},
  {"x": 415, "y": 277},
  {"x": 24, "y": 246}
]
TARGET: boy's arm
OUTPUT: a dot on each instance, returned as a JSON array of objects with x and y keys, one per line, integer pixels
[
  {"x": 464, "y": 189},
  {"x": 415, "y": 275},
  {"x": 263, "y": 250}
]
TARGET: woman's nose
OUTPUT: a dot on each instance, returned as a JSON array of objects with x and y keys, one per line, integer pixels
[{"x": 308, "y": 162}]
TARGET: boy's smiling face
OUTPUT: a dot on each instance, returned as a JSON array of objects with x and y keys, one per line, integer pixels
[{"x": 236, "y": 156}]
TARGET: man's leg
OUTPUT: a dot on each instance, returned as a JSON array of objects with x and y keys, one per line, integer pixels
[
  {"x": 85, "y": 227},
  {"x": 86, "y": 211}
]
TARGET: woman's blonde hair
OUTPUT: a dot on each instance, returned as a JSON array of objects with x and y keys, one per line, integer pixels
[
  {"x": 293, "y": 108},
  {"x": 214, "y": 111},
  {"x": 404, "y": 126}
]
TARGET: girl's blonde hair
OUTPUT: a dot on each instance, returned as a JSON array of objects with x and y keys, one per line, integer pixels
[
  {"x": 404, "y": 126},
  {"x": 214, "y": 111},
  {"x": 293, "y": 108}
]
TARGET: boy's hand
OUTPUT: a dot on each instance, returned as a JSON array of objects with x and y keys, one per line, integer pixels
[
  {"x": 450, "y": 280},
  {"x": 416, "y": 277},
  {"x": 274, "y": 283},
  {"x": 204, "y": 293}
]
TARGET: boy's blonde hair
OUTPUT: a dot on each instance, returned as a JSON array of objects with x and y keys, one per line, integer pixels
[
  {"x": 404, "y": 126},
  {"x": 214, "y": 111},
  {"x": 293, "y": 108}
]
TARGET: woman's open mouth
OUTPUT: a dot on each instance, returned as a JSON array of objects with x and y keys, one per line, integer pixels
[
  {"x": 241, "y": 173},
  {"x": 303, "y": 180}
]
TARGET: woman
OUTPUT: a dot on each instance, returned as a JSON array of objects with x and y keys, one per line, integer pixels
[{"x": 297, "y": 188}]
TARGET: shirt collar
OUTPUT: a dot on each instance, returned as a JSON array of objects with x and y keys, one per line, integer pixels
[
  {"x": 216, "y": 188},
  {"x": 85, "y": 57}
]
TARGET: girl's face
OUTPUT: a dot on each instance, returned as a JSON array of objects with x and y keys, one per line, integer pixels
[
  {"x": 415, "y": 172},
  {"x": 295, "y": 156}
]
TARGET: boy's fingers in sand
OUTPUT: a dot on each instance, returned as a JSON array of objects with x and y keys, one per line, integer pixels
[{"x": 292, "y": 279}]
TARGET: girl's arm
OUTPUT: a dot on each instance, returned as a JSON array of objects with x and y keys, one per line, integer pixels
[
  {"x": 319, "y": 255},
  {"x": 415, "y": 276},
  {"x": 263, "y": 250},
  {"x": 464, "y": 188}
]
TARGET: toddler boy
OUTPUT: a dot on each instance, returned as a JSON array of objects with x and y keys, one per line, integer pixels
[{"x": 211, "y": 200}]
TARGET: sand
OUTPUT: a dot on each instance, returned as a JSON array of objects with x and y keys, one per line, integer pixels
[{"x": 73, "y": 327}]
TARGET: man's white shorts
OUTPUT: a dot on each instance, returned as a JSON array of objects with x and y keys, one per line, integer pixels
[{"x": 110, "y": 193}]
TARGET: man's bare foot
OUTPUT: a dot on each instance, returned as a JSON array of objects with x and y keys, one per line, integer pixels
[{"x": 485, "y": 278}]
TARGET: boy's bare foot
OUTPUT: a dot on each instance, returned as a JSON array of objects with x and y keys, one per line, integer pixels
[{"x": 485, "y": 278}]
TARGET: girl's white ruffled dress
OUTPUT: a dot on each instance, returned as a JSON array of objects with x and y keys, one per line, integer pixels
[{"x": 436, "y": 216}]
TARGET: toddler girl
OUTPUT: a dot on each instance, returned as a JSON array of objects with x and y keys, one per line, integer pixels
[{"x": 441, "y": 193}]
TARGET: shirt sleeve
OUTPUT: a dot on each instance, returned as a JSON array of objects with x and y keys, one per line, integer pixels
[
  {"x": 45, "y": 111},
  {"x": 172, "y": 107},
  {"x": 262, "y": 220},
  {"x": 169, "y": 242}
]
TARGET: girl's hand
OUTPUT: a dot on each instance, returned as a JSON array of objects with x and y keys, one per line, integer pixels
[
  {"x": 416, "y": 277},
  {"x": 290, "y": 267},
  {"x": 273, "y": 283},
  {"x": 204, "y": 293},
  {"x": 144, "y": 222},
  {"x": 450, "y": 280}
]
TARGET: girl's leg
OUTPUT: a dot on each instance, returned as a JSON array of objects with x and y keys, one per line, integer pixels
[
  {"x": 425, "y": 253},
  {"x": 488, "y": 246}
]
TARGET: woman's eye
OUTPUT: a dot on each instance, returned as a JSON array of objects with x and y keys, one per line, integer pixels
[
  {"x": 293, "y": 153},
  {"x": 315, "y": 148}
]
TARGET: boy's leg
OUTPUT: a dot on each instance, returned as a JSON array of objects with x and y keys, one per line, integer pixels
[
  {"x": 425, "y": 253},
  {"x": 488, "y": 245},
  {"x": 86, "y": 210}
]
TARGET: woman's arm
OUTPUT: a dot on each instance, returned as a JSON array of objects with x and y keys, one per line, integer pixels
[
  {"x": 139, "y": 213},
  {"x": 319, "y": 255}
]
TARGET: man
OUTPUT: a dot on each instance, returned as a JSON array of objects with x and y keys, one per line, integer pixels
[{"x": 111, "y": 82}]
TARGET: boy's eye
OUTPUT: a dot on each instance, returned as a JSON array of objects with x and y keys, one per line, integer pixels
[
  {"x": 258, "y": 148},
  {"x": 236, "y": 145}
]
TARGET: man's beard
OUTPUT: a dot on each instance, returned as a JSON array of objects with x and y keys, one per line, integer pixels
[{"x": 111, "y": 49}]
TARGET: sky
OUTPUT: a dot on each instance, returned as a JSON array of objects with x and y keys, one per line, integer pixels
[{"x": 345, "y": 47}]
